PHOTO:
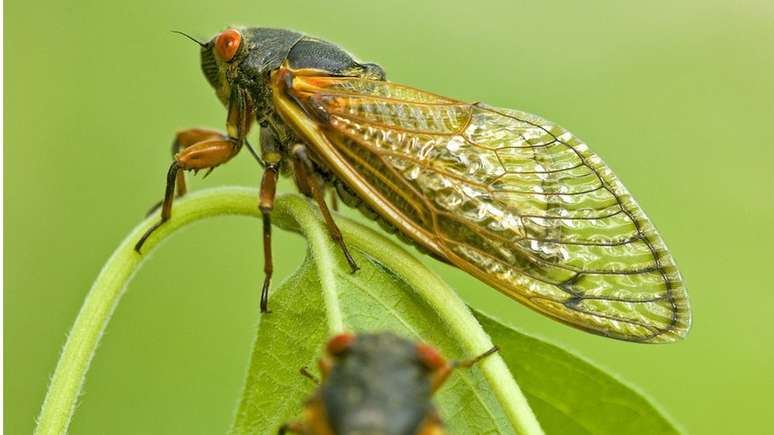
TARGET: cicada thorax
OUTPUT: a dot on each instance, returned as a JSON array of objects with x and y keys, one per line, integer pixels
[{"x": 274, "y": 49}]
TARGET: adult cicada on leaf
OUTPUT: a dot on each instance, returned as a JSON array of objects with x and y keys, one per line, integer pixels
[{"x": 511, "y": 198}]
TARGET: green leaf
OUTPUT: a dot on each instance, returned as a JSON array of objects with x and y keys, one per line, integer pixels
[
  {"x": 570, "y": 395},
  {"x": 392, "y": 291}
]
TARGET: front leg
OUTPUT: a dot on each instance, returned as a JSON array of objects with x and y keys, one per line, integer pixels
[
  {"x": 206, "y": 154},
  {"x": 187, "y": 138},
  {"x": 183, "y": 140}
]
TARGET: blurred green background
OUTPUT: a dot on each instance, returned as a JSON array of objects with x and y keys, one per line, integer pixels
[{"x": 676, "y": 96}]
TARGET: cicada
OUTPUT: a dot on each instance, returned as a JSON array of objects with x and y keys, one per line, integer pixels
[
  {"x": 377, "y": 384},
  {"x": 511, "y": 198}
]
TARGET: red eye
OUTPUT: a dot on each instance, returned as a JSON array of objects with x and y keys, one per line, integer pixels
[
  {"x": 430, "y": 357},
  {"x": 227, "y": 44},
  {"x": 340, "y": 344}
]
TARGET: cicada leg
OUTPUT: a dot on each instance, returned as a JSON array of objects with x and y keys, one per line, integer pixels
[
  {"x": 187, "y": 138},
  {"x": 183, "y": 140},
  {"x": 440, "y": 375},
  {"x": 304, "y": 170},
  {"x": 334, "y": 200},
  {"x": 266, "y": 204},
  {"x": 203, "y": 155}
]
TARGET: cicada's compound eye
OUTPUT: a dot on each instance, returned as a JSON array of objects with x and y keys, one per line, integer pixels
[
  {"x": 430, "y": 357},
  {"x": 227, "y": 43},
  {"x": 340, "y": 344}
]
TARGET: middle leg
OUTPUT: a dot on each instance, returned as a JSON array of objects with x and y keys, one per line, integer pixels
[{"x": 266, "y": 204}]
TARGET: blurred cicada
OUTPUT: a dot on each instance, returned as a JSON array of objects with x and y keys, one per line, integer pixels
[
  {"x": 379, "y": 384},
  {"x": 511, "y": 198}
]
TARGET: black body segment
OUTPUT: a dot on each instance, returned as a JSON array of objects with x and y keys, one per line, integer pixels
[
  {"x": 310, "y": 53},
  {"x": 268, "y": 48}
]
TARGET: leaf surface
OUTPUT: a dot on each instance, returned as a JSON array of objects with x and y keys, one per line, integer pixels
[{"x": 570, "y": 395}]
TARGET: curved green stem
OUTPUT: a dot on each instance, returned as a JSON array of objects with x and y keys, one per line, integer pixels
[
  {"x": 291, "y": 212},
  {"x": 94, "y": 316},
  {"x": 457, "y": 316}
]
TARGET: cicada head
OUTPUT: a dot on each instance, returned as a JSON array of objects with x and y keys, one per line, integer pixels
[{"x": 243, "y": 57}]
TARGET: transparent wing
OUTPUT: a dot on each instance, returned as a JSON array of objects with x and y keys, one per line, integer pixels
[{"x": 512, "y": 198}]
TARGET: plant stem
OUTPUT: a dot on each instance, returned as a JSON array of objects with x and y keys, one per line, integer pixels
[
  {"x": 292, "y": 212},
  {"x": 456, "y": 315},
  {"x": 94, "y": 316},
  {"x": 293, "y": 209}
]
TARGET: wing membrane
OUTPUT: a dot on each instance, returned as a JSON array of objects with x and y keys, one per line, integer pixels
[{"x": 511, "y": 198}]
